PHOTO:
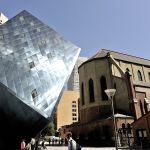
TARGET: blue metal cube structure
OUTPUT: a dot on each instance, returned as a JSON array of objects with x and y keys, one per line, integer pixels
[{"x": 35, "y": 63}]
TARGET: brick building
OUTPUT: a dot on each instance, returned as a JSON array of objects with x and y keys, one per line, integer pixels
[{"x": 129, "y": 75}]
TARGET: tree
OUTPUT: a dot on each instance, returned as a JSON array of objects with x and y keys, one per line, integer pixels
[{"x": 49, "y": 130}]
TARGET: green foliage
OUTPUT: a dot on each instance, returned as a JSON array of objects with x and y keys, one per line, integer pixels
[{"x": 49, "y": 130}]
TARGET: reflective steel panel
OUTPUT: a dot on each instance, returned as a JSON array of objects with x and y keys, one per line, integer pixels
[{"x": 35, "y": 61}]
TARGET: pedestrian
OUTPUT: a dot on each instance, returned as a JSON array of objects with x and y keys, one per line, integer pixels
[
  {"x": 36, "y": 143},
  {"x": 23, "y": 144},
  {"x": 53, "y": 141},
  {"x": 32, "y": 143},
  {"x": 49, "y": 141},
  {"x": 43, "y": 144},
  {"x": 28, "y": 147},
  {"x": 72, "y": 144},
  {"x": 62, "y": 141}
]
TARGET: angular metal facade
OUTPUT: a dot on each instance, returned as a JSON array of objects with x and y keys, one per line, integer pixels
[{"x": 35, "y": 61}]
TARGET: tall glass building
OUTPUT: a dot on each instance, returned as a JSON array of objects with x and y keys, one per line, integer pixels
[{"x": 35, "y": 63}]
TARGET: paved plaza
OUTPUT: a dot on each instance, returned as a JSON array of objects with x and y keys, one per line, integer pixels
[{"x": 86, "y": 148}]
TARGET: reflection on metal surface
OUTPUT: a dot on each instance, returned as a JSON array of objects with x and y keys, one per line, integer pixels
[{"x": 35, "y": 61}]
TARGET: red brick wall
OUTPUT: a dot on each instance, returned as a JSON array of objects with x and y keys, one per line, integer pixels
[{"x": 92, "y": 113}]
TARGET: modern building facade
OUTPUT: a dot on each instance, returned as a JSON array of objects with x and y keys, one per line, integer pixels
[
  {"x": 35, "y": 63},
  {"x": 3, "y": 18},
  {"x": 129, "y": 75},
  {"x": 73, "y": 82}
]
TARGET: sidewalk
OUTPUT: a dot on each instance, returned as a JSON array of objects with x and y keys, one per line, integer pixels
[
  {"x": 84, "y": 148},
  {"x": 88, "y": 148}
]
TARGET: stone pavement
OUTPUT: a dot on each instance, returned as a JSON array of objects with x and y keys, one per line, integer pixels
[{"x": 84, "y": 148}]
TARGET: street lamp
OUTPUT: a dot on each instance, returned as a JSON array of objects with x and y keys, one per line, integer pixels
[{"x": 110, "y": 93}]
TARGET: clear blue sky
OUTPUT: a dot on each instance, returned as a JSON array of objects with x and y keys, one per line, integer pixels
[{"x": 120, "y": 25}]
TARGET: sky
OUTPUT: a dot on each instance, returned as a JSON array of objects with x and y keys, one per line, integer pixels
[{"x": 118, "y": 25}]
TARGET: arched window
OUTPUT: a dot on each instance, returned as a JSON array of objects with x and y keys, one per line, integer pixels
[
  {"x": 149, "y": 76},
  {"x": 139, "y": 75},
  {"x": 115, "y": 86},
  {"x": 123, "y": 126},
  {"x": 129, "y": 128},
  {"x": 103, "y": 88},
  {"x": 82, "y": 93},
  {"x": 145, "y": 107},
  {"x": 91, "y": 90},
  {"x": 141, "y": 108}
]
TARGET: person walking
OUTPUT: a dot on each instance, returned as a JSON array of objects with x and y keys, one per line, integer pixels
[
  {"x": 28, "y": 147},
  {"x": 71, "y": 142},
  {"x": 32, "y": 143},
  {"x": 23, "y": 144}
]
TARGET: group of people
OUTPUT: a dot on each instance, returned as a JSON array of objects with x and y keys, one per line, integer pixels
[{"x": 32, "y": 145}]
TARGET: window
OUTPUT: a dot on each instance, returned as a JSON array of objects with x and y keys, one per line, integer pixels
[
  {"x": 74, "y": 119},
  {"x": 129, "y": 128},
  {"x": 91, "y": 90},
  {"x": 103, "y": 88},
  {"x": 34, "y": 93},
  {"x": 74, "y": 102},
  {"x": 141, "y": 108},
  {"x": 73, "y": 105},
  {"x": 123, "y": 126},
  {"x": 1, "y": 37},
  {"x": 38, "y": 29},
  {"x": 145, "y": 106},
  {"x": 74, "y": 110},
  {"x": 149, "y": 76},
  {"x": 23, "y": 35},
  {"x": 82, "y": 94},
  {"x": 139, "y": 75},
  {"x": 74, "y": 114},
  {"x": 43, "y": 42},
  {"x": 31, "y": 65},
  {"x": 115, "y": 87},
  {"x": 42, "y": 45}
]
